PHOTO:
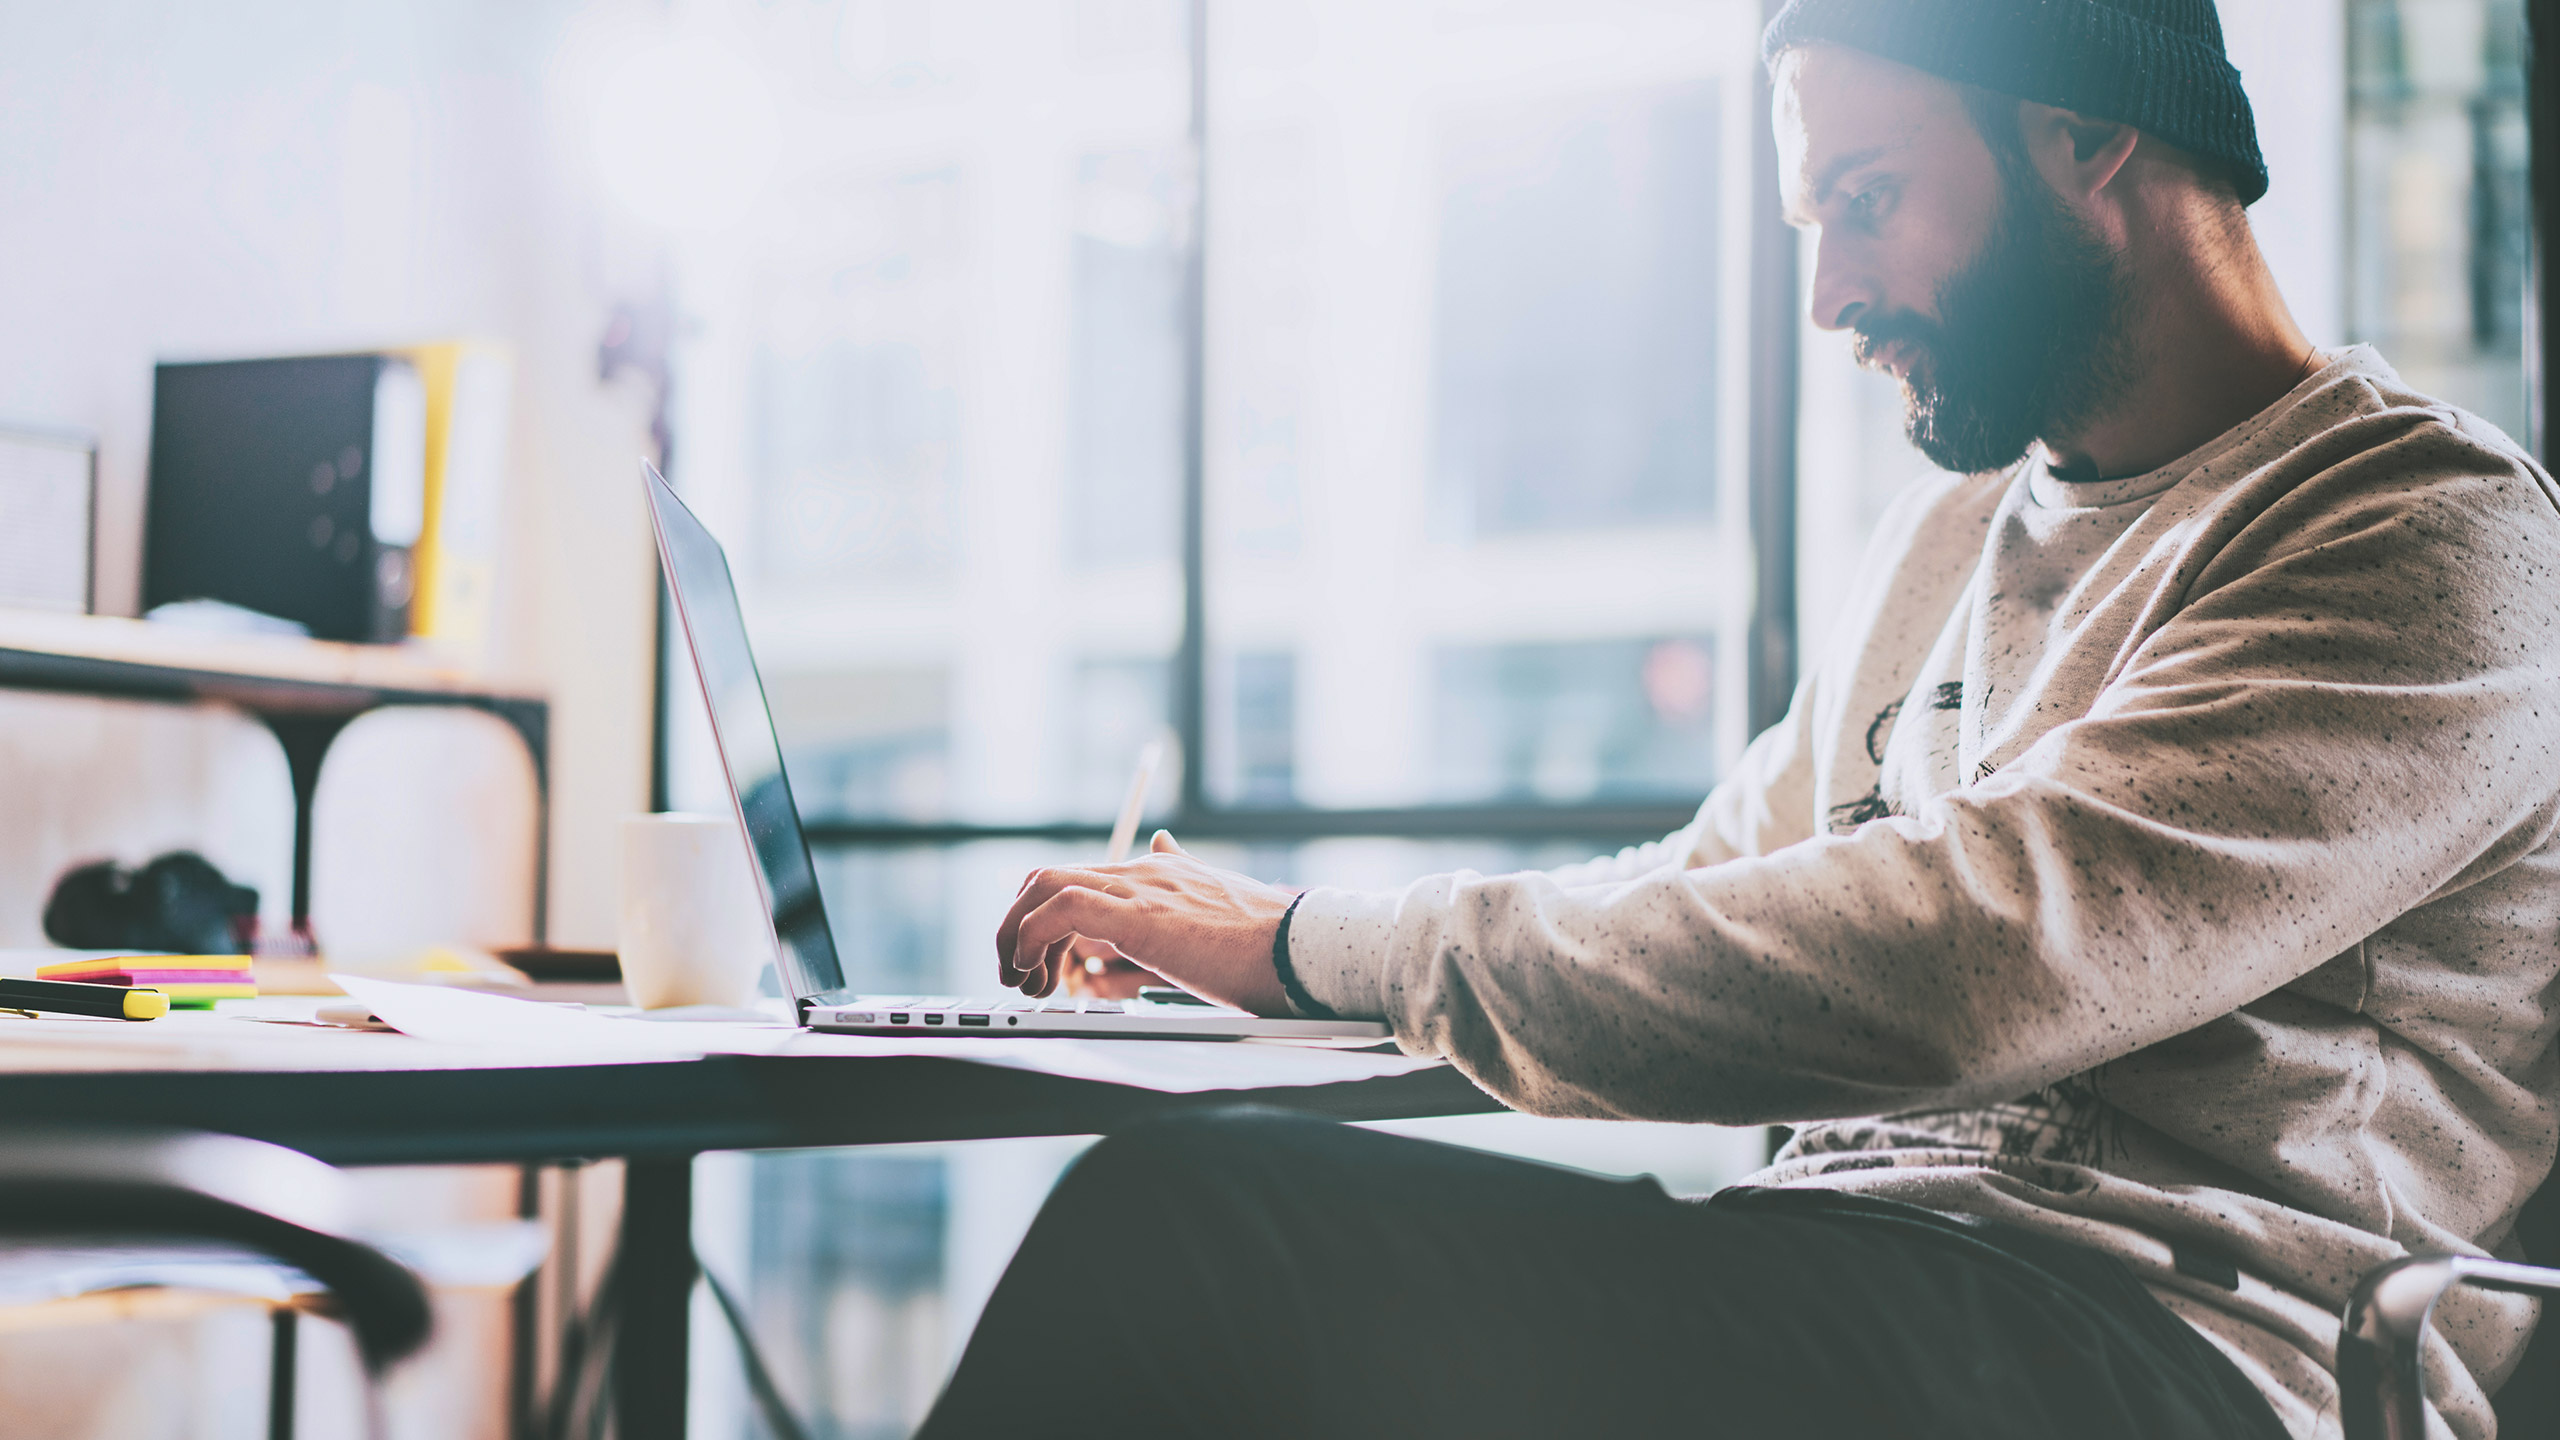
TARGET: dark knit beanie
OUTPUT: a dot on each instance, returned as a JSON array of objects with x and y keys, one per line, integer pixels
[{"x": 2157, "y": 65}]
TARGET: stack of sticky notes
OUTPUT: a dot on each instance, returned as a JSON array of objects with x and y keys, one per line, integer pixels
[{"x": 196, "y": 980}]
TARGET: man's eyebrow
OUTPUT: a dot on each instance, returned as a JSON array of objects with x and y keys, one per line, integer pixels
[{"x": 1830, "y": 175}]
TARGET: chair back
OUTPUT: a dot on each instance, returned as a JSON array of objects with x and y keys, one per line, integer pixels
[
  {"x": 59, "y": 1183},
  {"x": 2528, "y": 1405}
]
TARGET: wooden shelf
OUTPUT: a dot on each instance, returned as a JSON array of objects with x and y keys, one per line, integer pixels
[
  {"x": 305, "y": 691},
  {"x": 281, "y": 658}
]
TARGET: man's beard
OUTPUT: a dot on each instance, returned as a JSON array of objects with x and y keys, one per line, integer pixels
[{"x": 2032, "y": 341}]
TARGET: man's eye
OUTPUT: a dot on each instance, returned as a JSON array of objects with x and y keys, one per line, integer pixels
[{"x": 1869, "y": 205}]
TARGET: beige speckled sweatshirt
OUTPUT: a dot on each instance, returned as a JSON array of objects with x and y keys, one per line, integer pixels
[{"x": 2167, "y": 863}]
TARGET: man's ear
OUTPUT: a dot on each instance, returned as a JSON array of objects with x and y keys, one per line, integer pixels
[{"x": 2077, "y": 156}]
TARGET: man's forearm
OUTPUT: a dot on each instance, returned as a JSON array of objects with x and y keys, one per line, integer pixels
[{"x": 2010, "y": 934}]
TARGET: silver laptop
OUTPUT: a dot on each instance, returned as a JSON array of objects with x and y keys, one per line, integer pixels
[{"x": 804, "y": 948}]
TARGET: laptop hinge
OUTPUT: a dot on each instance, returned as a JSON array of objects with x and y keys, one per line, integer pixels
[{"x": 802, "y": 1005}]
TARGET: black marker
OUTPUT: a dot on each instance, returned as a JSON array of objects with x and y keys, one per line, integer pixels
[{"x": 69, "y": 997}]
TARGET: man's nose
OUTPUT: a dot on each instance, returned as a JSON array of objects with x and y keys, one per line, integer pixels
[{"x": 1842, "y": 289}]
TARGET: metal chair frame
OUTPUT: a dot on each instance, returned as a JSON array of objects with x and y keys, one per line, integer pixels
[
  {"x": 2382, "y": 1392},
  {"x": 66, "y": 1184}
]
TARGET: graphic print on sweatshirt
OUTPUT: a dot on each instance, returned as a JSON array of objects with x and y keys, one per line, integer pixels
[
  {"x": 1925, "y": 743},
  {"x": 1945, "y": 697},
  {"x": 2066, "y": 1124}
]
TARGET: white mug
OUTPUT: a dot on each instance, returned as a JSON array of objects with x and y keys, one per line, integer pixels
[{"x": 694, "y": 931}]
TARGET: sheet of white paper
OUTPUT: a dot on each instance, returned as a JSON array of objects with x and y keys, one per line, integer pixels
[
  {"x": 432, "y": 1012},
  {"x": 464, "y": 1017}
]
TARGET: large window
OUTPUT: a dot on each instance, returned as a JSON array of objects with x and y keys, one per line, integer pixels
[
  {"x": 1352, "y": 391},
  {"x": 932, "y": 398},
  {"x": 1474, "y": 528},
  {"x": 932, "y": 391}
]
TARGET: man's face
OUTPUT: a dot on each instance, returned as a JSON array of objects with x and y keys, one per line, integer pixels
[{"x": 1999, "y": 310}]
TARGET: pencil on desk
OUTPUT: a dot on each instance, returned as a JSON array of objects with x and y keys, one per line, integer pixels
[{"x": 1124, "y": 831}]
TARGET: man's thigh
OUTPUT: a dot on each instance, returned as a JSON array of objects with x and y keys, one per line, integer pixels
[{"x": 1253, "y": 1273}]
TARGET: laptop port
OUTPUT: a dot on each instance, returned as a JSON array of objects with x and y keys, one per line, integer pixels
[
  {"x": 933, "y": 1019},
  {"x": 977, "y": 1020},
  {"x": 897, "y": 1019},
  {"x": 1013, "y": 1019}
]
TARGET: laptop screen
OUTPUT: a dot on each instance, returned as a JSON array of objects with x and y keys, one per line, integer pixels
[{"x": 742, "y": 725}]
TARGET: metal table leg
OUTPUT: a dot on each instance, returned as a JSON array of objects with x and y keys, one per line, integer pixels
[
  {"x": 285, "y": 1325},
  {"x": 654, "y": 1299},
  {"x": 306, "y": 739}
]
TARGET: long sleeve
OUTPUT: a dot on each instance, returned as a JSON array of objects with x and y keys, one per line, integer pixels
[
  {"x": 1766, "y": 803},
  {"x": 2344, "y": 707}
]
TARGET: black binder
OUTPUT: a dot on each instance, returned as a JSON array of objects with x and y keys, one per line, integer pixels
[{"x": 291, "y": 487}]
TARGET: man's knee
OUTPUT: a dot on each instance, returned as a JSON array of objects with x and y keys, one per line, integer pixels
[
  {"x": 1195, "y": 1154},
  {"x": 1193, "y": 1142}
]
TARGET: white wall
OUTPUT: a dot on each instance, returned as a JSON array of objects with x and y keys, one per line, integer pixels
[
  {"x": 195, "y": 181},
  {"x": 186, "y": 180},
  {"x": 2292, "y": 57}
]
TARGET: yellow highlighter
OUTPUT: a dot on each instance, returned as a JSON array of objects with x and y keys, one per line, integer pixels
[{"x": 67, "y": 997}]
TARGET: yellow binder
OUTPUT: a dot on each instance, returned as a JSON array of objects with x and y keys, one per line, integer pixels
[{"x": 469, "y": 385}]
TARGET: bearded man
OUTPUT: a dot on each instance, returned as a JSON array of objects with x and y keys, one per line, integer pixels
[{"x": 2145, "y": 911}]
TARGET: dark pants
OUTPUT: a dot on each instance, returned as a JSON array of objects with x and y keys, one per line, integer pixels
[{"x": 1251, "y": 1273}]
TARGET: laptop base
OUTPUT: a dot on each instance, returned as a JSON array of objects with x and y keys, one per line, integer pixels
[{"x": 1068, "y": 1015}]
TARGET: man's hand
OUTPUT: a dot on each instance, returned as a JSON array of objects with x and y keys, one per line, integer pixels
[
  {"x": 1095, "y": 969},
  {"x": 1206, "y": 930}
]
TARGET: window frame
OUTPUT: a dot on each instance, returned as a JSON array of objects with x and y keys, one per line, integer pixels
[
  {"x": 2542, "y": 142},
  {"x": 1770, "y": 637}
]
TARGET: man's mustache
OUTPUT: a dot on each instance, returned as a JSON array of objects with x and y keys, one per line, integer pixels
[{"x": 1873, "y": 335}]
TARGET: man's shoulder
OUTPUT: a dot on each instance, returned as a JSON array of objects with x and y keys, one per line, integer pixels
[
  {"x": 2366, "y": 407},
  {"x": 2366, "y": 439}
]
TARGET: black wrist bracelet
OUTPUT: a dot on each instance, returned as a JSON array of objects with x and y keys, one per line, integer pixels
[{"x": 1299, "y": 1000}]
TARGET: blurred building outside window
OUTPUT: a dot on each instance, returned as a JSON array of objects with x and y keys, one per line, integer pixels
[
  {"x": 1473, "y": 444},
  {"x": 2440, "y": 220}
]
